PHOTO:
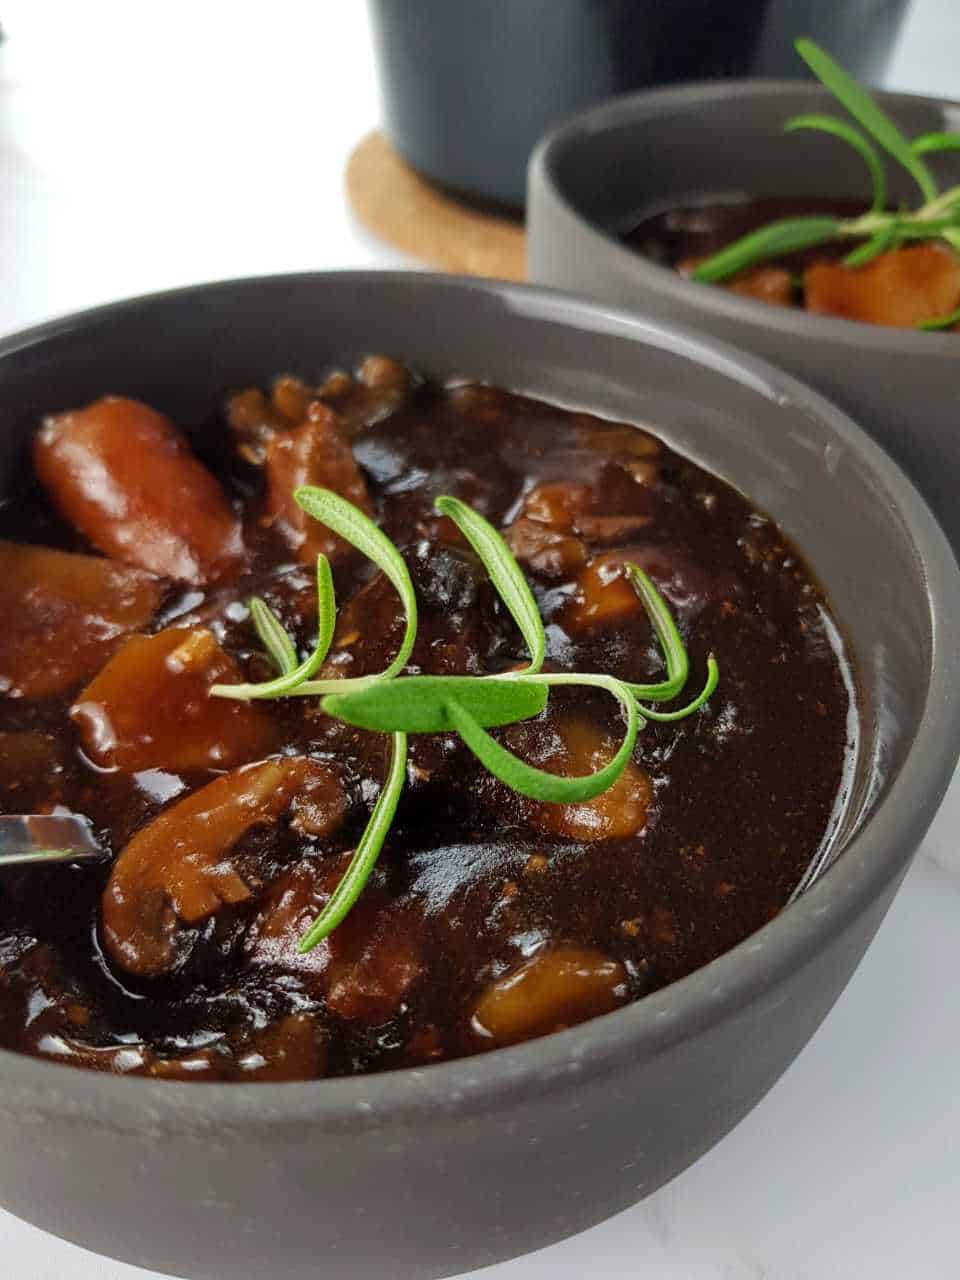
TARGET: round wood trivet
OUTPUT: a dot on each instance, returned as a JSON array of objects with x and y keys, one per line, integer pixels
[{"x": 398, "y": 206}]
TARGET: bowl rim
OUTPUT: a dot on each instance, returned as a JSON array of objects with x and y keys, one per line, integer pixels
[
  {"x": 710, "y": 300},
  {"x": 874, "y": 858}
]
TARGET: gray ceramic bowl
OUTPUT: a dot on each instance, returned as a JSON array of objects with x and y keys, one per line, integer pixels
[
  {"x": 423, "y": 1173},
  {"x": 653, "y": 150}
]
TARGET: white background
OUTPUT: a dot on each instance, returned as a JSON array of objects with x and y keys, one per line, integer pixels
[{"x": 144, "y": 146}]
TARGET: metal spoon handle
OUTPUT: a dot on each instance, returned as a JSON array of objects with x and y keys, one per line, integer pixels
[{"x": 38, "y": 837}]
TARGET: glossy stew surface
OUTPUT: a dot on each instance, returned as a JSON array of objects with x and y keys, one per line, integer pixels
[{"x": 125, "y": 563}]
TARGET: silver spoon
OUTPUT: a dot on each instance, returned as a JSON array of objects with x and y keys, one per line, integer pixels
[{"x": 41, "y": 837}]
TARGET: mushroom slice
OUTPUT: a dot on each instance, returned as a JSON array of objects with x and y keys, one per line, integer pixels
[{"x": 178, "y": 869}]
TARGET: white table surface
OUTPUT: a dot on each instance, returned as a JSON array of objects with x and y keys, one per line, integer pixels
[{"x": 144, "y": 146}]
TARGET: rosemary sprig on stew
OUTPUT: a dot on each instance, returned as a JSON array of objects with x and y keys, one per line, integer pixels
[
  {"x": 467, "y": 705},
  {"x": 880, "y": 228}
]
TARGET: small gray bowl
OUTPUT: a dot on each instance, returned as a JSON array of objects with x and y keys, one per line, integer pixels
[
  {"x": 415, "y": 1174},
  {"x": 656, "y": 150}
]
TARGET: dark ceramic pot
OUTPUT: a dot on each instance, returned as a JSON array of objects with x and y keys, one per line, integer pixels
[
  {"x": 424, "y": 1173},
  {"x": 469, "y": 88},
  {"x": 654, "y": 150}
]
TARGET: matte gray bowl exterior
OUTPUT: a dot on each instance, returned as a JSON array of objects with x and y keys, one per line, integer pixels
[
  {"x": 658, "y": 149},
  {"x": 423, "y": 1173}
]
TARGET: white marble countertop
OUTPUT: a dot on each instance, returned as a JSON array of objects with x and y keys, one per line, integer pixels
[{"x": 148, "y": 146}]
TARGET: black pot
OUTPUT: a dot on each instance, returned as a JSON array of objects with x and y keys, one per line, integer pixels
[{"x": 468, "y": 88}]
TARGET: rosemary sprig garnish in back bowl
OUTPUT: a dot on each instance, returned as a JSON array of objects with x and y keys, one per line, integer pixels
[
  {"x": 399, "y": 705},
  {"x": 935, "y": 219}
]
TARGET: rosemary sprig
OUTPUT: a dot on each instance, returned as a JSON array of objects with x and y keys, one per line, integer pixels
[
  {"x": 854, "y": 138},
  {"x": 367, "y": 851},
  {"x": 466, "y": 705},
  {"x": 941, "y": 322},
  {"x": 928, "y": 142},
  {"x": 786, "y": 235},
  {"x": 504, "y": 573},
  {"x": 274, "y": 639},
  {"x": 421, "y": 704},
  {"x": 538, "y": 784},
  {"x": 354, "y": 527},
  {"x": 937, "y": 218},
  {"x": 866, "y": 112}
]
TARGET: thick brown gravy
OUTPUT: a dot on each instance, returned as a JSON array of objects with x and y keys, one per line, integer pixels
[{"x": 490, "y": 918}]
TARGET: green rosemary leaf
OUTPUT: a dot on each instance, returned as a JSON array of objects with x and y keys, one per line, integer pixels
[
  {"x": 360, "y": 531},
  {"x": 538, "y": 784},
  {"x": 420, "y": 704},
  {"x": 867, "y": 113},
  {"x": 941, "y": 322},
  {"x": 293, "y": 680},
  {"x": 435, "y": 704},
  {"x": 504, "y": 572},
  {"x": 863, "y": 147},
  {"x": 368, "y": 850},
  {"x": 274, "y": 639},
  {"x": 674, "y": 653},
  {"x": 713, "y": 679},
  {"x": 326, "y": 614},
  {"x": 929, "y": 142},
  {"x": 878, "y": 243},
  {"x": 946, "y": 205},
  {"x": 787, "y": 235}
]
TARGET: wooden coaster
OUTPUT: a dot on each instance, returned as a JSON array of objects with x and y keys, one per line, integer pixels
[{"x": 400, "y": 207}]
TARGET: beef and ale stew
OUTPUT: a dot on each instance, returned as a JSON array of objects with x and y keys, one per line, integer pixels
[
  {"x": 877, "y": 260},
  {"x": 130, "y": 554},
  {"x": 911, "y": 286}
]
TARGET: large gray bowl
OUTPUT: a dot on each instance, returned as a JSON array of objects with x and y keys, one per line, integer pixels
[
  {"x": 657, "y": 149},
  {"x": 422, "y": 1173}
]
